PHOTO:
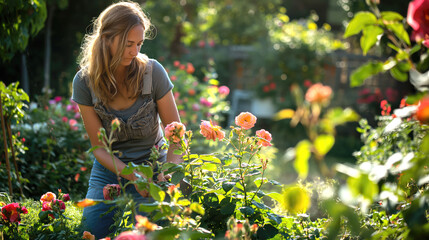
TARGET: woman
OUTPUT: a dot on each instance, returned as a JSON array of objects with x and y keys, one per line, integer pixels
[{"x": 116, "y": 81}]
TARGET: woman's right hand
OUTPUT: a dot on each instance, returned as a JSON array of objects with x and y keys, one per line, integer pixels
[{"x": 144, "y": 193}]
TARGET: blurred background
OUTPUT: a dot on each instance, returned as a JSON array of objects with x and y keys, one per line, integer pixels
[{"x": 258, "y": 49}]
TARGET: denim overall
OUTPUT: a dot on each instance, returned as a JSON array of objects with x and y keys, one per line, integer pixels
[{"x": 140, "y": 124}]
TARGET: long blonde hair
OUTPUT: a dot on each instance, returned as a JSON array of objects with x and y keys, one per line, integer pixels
[{"x": 96, "y": 60}]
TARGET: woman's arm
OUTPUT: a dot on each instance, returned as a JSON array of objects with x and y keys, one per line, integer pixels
[
  {"x": 168, "y": 113},
  {"x": 92, "y": 125}
]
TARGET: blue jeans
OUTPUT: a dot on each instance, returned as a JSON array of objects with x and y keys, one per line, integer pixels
[{"x": 93, "y": 219}]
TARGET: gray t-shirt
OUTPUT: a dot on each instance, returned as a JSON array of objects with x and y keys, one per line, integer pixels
[{"x": 140, "y": 127}]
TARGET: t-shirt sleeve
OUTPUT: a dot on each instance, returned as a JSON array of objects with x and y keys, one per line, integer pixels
[
  {"x": 161, "y": 81},
  {"x": 81, "y": 93}
]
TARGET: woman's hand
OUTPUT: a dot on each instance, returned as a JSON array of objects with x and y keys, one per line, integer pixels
[
  {"x": 163, "y": 178},
  {"x": 144, "y": 193}
]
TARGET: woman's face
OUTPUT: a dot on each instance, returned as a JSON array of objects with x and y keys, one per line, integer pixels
[{"x": 133, "y": 43}]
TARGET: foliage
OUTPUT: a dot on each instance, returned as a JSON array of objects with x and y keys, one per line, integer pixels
[
  {"x": 21, "y": 19},
  {"x": 197, "y": 99},
  {"x": 319, "y": 123},
  {"x": 14, "y": 102},
  {"x": 388, "y": 25},
  {"x": 301, "y": 40},
  {"x": 55, "y": 144},
  {"x": 36, "y": 224}
]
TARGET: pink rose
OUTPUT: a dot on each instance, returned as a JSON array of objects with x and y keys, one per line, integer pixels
[
  {"x": 223, "y": 91},
  {"x": 130, "y": 235},
  {"x": 111, "y": 191},
  {"x": 265, "y": 138},
  {"x": 210, "y": 131},
  {"x": 417, "y": 18},
  {"x": 318, "y": 93},
  {"x": 174, "y": 131}
]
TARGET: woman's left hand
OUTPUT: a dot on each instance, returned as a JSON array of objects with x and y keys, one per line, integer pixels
[{"x": 163, "y": 178}]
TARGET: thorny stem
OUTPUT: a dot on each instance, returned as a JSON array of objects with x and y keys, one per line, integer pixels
[
  {"x": 262, "y": 183},
  {"x": 241, "y": 170},
  {"x": 188, "y": 153}
]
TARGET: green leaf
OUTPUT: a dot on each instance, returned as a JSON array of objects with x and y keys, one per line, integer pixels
[
  {"x": 210, "y": 158},
  {"x": 168, "y": 233},
  {"x": 167, "y": 165},
  {"x": 337, "y": 211},
  {"x": 211, "y": 167},
  {"x": 227, "y": 186},
  {"x": 247, "y": 210},
  {"x": 177, "y": 177},
  {"x": 183, "y": 202},
  {"x": 415, "y": 49},
  {"x": 177, "y": 152},
  {"x": 268, "y": 231},
  {"x": 196, "y": 207},
  {"x": 127, "y": 170},
  {"x": 362, "y": 186},
  {"x": 399, "y": 30},
  {"x": 194, "y": 234},
  {"x": 227, "y": 206},
  {"x": 338, "y": 116},
  {"x": 324, "y": 143},
  {"x": 146, "y": 170},
  {"x": 391, "y": 16},
  {"x": 148, "y": 207},
  {"x": 211, "y": 199},
  {"x": 259, "y": 181},
  {"x": 369, "y": 37},
  {"x": 365, "y": 71},
  {"x": 302, "y": 155},
  {"x": 361, "y": 20},
  {"x": 260, "y": 205},
  {"x": 274, "y": 217},
  {"x": 398, "y": 74},
  {"x": 156, "y": 192},
  {"x": 415, "y": 214}
]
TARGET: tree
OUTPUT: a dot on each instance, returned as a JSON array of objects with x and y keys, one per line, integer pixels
[
  {"x": 52, "y": 6},
  {"x": 20, "y": 20}
]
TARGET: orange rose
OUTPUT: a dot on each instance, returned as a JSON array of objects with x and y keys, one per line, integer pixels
[
  {"x": 190, "y": 68},
  {"x": 318, "y": 93},
  {"x": 86, "y": 203},
  {"x": 422, "y": 113},
  {"x": 264, "y": 138},
  {"x": 210, "y": 131},
  {"x": 48, "y": 197},
  {"x": 88, "y": 235},
  {"x": 245, "y": 120},
  {"x": 144, "y": 223}
]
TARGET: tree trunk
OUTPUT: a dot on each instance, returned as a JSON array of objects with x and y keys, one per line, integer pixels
[
  {"x": 24, "y": 74},
  {"x": 48, "y": 48}
]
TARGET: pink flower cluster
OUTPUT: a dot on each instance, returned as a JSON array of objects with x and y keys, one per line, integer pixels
[
  {"x": 12, "y": 212},
  {"x": 51, "y": 203}
]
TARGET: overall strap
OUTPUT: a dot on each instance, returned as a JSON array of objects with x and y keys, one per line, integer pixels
[{"x": 147, "y": 80}]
